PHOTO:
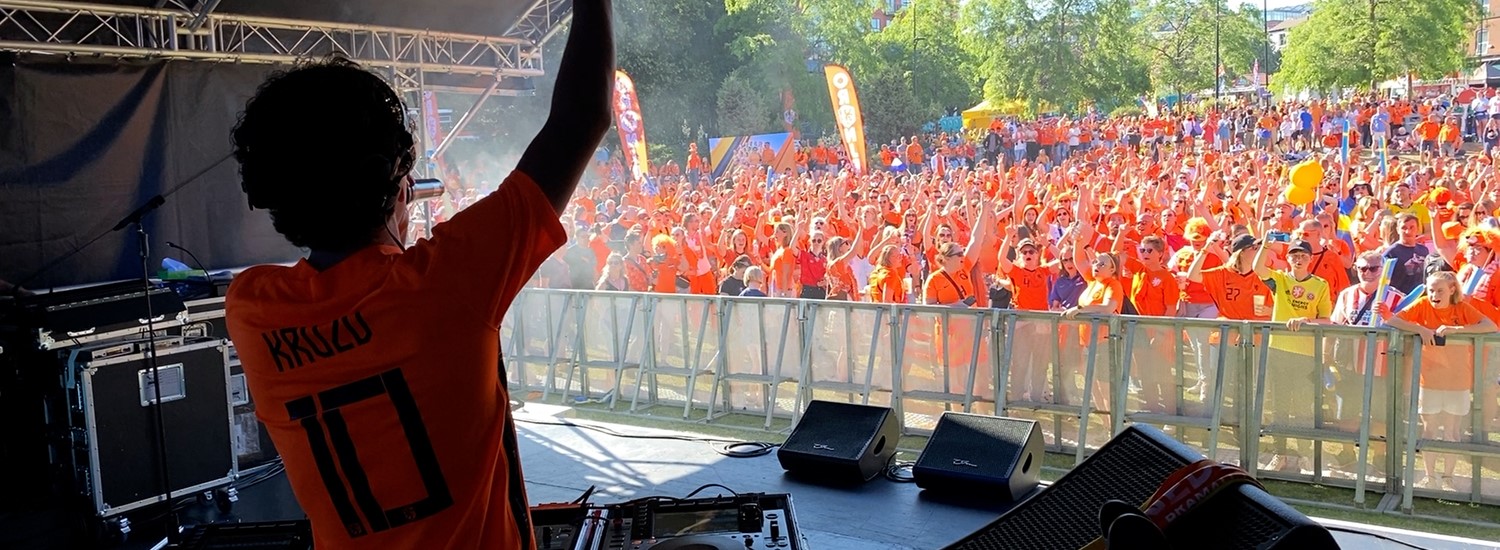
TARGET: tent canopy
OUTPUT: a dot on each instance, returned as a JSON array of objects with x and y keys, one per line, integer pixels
[{"x": 980, "y": 116}]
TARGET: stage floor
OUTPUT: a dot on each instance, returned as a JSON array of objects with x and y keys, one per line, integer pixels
[{"x": 561, "y": 462}]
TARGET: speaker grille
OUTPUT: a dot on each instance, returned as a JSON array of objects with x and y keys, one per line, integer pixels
[
  {"x": 980, "y": 439},
  {"x": 1129, "y": 468},
  {"x": 1244, "y": 517},
  {"x": 839, "y": 430}
]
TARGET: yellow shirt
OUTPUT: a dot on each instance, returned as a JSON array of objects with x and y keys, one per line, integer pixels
[
  {"x": 1419, "y": 210},
  {"x": 1290, "y": 298}
]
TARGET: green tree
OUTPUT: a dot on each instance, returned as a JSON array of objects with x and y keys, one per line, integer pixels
[
  {"x": 1347, "y": 43},
  {"x": 923, "y": 42},
  {"x": 887, "y": 102},
  {"x": 677, "y": 61},
  {"x": 743, "y": 108},
  {"x": 1181, "y": 47},
  {"x": 1063, "y": 52}
]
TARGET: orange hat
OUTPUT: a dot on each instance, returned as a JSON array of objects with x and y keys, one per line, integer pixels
[
  {"x": 1196, "y": 228},
  {"x": 1442, "y": 195},
  {"x": 1452, "y": 231},
  {"x": 892, "y": 218},
  {"x": 1488, "y": 238}
]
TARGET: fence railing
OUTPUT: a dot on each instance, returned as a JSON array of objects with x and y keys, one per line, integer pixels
[{"x": 1328, "y": 404}]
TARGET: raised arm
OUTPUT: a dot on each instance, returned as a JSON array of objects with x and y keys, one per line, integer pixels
[{"x": 560, "y": 152}]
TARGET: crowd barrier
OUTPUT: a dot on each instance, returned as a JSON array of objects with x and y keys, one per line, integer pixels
[{"x": 1327, "y": 404}]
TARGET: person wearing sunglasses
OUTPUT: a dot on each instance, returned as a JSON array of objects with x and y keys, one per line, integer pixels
[
  {"x": 1154, "y": 292},
  {"x": 1478, "y": 281},
  {"x": 1356, "y": 306}
]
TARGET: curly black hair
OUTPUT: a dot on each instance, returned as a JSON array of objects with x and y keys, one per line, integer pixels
[{"x": 324, "y": 146}]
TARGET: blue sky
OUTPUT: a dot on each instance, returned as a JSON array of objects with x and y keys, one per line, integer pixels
[{"x": 1273, "y": 4}]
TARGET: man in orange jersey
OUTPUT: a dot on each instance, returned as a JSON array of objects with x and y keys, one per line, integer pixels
[{"x": 376, "y": 368}]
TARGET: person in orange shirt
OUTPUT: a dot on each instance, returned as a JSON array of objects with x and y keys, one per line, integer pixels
[
  {"x": 1154, "y": 292},
  {"x": 699, "y": 257},
  {"x": 1427, "y": 135},
  {"x": 886, "y": 285},
  {"x": 1030, "y": 282},
  {"x": 914, "y": 157},
  {"x": 841, "y": 282},
  {"x": 637, "y": 272},
  {"x": 695, "y": 165},
  {"x": 376, "y": 368},
  {"x": 1446, "y": 384},
  {"x": 1450, "y": 138},
  {"x": 666, "y": 263}
]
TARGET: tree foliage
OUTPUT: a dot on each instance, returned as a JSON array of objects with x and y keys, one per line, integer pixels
[
  {"x": 1062, "y": 52},
  {"x": 743, "y": 108},
  {"x": 1179, "y": 42},
  {"x": 887, "y": 101},
  {"x": 1347, "y": 43},
  {"x": 922, "y": 43}
]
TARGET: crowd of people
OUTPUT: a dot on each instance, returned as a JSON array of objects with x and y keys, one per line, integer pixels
[{"x": 1178, "y": 215}]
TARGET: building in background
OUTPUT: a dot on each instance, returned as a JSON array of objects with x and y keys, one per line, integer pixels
[
  {"x": 1280, "y": 32},
  {"x": 1481, "y": 45}
]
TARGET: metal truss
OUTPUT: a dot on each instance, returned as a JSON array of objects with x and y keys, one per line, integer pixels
[
  {"x": 542, "y": 20},
  {"x": 183, "y": 32}
]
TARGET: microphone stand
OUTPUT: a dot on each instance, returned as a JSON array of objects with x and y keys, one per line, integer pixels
[{"x": 143, "y": 239}]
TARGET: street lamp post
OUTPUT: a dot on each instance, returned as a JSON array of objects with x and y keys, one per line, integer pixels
[
  {"x": 913, "y": 16},
  {"x": 1218, "y": 59},
  {"x": 1265, "y": 23}
]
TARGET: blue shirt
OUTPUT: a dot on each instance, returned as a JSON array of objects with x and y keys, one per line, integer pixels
[
  {"x": 753, "y": 292},
  {"x": 1306, "y": 119},
  {"x": 1066, "y": 290},
  {"x": 1380, "y": 123}
]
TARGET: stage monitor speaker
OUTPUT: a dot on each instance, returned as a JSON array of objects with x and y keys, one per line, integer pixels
[
  {"x": 986, "y": 456},
  {"x": 841, "y": 442},
  {"x": 1130, "y": 468}
]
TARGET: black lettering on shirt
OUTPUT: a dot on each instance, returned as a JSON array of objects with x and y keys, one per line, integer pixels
[{"x": 295, "y": 347}]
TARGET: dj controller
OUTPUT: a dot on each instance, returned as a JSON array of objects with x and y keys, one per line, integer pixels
[{"x": 756, "y": 521}]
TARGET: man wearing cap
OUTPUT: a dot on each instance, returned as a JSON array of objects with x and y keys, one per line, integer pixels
[{"x": 1298, "y": 298}]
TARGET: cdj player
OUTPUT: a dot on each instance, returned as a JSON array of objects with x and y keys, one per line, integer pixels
[{"x": 746, "y": 521}]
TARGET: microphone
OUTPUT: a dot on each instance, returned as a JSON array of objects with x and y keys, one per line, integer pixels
[
  {"x": 423, "y": 189},
  {"x": 206, "y": 275}
]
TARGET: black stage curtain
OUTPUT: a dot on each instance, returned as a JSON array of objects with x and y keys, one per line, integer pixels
[{"x": 82, "y": 144}]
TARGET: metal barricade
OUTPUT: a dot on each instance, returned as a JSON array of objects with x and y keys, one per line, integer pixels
[
  {"x": 943, "y": 357},
  {"x": 760, "y": 341},
  {"x": 682, "y": 342},
  {"x": 543, "y": 325},
  {"x": 1332, "y": 405},
  {"x": 850, "y": 357},
  {"x": 1449, "y": 399},
  {"x": 607, "y": 321},
  {"x": 1049, "y": 369}
]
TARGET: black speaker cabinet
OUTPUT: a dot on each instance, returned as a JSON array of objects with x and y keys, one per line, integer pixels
[
  {"x": 1130, "y": 468},
  {"x": 841, "y": 442},
  {"x": 988, "y": 457},
  {"x": 112, "y": 397}
]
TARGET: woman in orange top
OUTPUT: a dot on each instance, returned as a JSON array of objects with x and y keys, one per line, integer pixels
[
  {"x": 840, "y": 275},
  {"x": 1104, "y": 293},
  {"x": 665, "y": 263},
  {"x": 885, "y": 282}
]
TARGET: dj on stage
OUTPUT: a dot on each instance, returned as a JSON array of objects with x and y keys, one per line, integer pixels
[{"x": 377, "y": 366}]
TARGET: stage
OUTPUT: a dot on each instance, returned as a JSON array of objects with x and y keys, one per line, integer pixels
[{"x": 562, "y": 462}]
